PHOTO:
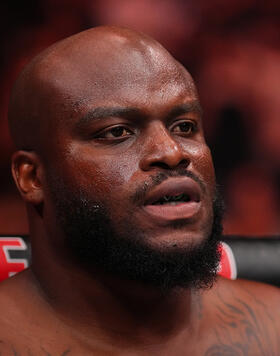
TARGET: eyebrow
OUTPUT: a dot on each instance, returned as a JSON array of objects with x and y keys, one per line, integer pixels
[
  {"x": 102, "y": 112},
  {"x": 128, "y": 112},
  {"x": 193, "y": 106}
]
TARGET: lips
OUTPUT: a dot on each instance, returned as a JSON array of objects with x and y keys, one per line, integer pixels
[{"x": 175, "y": 198}]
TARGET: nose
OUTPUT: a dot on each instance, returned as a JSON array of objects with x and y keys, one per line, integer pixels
[{"x": 162, "y": 150}]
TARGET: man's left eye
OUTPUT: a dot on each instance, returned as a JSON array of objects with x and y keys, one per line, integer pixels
[
  {"x": 116, "y": 132},
  {"x": 185, "y": 127}
]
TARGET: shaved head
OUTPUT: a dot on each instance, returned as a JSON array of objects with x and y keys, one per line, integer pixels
[
  {"x": 100, "y": 120},
  {"x": 105, "y": 58},
  {"x": 124, "y": 217}
]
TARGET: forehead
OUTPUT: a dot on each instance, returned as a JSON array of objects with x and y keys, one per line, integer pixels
[{"x": 116, "y": 74}]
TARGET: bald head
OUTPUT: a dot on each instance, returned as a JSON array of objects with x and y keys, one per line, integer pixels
[
  {"x": 92, "y": 64},
  {"x": 109, "y": 115}
]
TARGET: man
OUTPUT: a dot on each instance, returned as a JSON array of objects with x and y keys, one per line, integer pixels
[{"x": 124, "y": 216}]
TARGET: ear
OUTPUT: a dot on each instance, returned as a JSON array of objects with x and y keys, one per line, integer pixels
[{"x": 27, "y": 171}]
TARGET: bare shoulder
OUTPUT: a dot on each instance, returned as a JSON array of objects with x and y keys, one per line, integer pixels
[
  {"x": 11, "y": 313},
  {"x": 18, "y": 299},
  {"x": 259, "y": 296},
  {"x": 12, "y": 292},
  {"x": 18, "y": 306},
  {"x": 244, "y": 318},
  {"x": 27, "y": 323}
]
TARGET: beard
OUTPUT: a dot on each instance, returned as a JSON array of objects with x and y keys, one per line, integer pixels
[{"x": 95, "y": 243}]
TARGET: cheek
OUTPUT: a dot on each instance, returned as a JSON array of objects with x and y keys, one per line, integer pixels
[
  {"x": 105, "y": 174},
  {"x": 203, "y": 164}
]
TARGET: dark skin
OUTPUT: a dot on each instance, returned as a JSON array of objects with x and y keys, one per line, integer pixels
[{"x": 149, "y": 120}]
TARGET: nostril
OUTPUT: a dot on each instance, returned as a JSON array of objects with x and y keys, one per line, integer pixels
[
  {"x": 182, "y": 164},
  {"x": 160, "y": 164}
]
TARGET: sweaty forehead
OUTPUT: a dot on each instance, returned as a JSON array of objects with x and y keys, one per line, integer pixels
[
  {"x": 107, "y": 64},
  {"x": 101, "y": 66}
]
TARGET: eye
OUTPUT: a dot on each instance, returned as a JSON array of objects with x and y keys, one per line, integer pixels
[
  {"x": 185, "y": 127},
  {"x": 115, "y": 132}
]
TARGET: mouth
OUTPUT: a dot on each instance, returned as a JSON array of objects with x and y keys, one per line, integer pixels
[{"x": 174, "y": 199}]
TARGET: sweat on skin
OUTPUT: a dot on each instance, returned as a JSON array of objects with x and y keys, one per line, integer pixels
[{"x": 124, "y": 217}]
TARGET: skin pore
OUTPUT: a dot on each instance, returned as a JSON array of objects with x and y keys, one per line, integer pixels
[{"x": 102, "y": 121}]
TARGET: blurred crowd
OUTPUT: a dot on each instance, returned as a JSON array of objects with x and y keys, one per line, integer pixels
[{"x": 232, "y": 49}]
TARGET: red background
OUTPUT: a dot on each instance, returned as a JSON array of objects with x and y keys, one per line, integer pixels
[{"x": 232, "y": 49}]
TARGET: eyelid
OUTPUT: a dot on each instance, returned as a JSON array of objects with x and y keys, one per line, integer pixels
[
  {"x": 182, "y": 120},
  {"x": 107, "y": 129}
]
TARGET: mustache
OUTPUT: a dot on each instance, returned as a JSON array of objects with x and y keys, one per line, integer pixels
[{"x": 139, "y": 196}]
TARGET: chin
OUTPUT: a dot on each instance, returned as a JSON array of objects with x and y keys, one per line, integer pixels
[{"x": 177, "y": 238}]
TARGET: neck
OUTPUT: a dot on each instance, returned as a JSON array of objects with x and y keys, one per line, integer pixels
[
  {"x": 118, "y": 311},
  {"x": 115, "y": 309}
]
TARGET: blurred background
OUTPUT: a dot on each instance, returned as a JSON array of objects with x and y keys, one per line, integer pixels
[{"x": 232, "y": 49}]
